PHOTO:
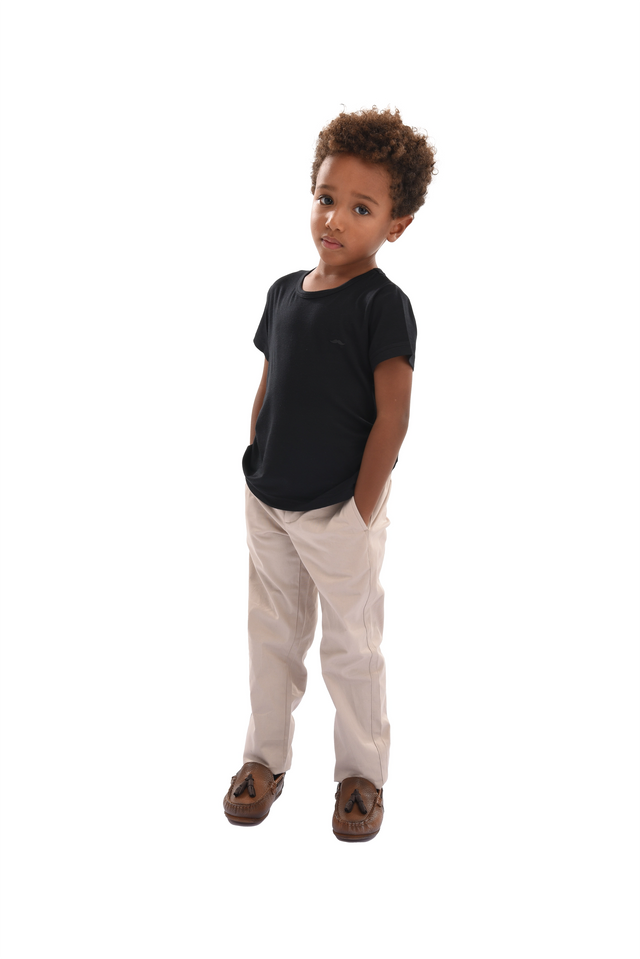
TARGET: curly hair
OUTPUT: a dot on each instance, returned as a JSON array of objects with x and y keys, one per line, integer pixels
[{"x": 380, "y": 136}]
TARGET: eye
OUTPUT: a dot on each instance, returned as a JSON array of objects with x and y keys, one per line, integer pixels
[
  {"x": 321, "y": 198},
  {"x": 361, "y": 207}
]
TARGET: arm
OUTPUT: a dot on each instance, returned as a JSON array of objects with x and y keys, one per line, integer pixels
[
  {"x": 259, "y": 400},
  {"x": 392, "y": 379}
]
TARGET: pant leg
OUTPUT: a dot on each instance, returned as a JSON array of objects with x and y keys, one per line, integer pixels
[
  {"x": 344, "y": 557},
  {"x": 282, "y": 617}
]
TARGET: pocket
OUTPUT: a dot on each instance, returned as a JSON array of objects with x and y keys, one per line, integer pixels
[{"x": 359, "y": 519}]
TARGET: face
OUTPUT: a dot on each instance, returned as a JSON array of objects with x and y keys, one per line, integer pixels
[{"x": 351, "y": 213}]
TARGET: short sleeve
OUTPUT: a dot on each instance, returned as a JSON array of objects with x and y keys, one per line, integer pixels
[
  {"x": 392, "y": 326},
  {"x": 261, "y": 339}
]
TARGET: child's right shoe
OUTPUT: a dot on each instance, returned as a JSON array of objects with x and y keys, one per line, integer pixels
[{"x": 252, "y": 792}]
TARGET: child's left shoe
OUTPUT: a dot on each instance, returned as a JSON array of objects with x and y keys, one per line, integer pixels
[{"x": 359, "y": 810}]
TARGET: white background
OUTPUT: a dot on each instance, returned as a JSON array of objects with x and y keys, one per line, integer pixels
[{"x": 155, "y": 182}]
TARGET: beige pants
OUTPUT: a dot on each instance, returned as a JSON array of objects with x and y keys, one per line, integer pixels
[{"x": 293, "y": 557}]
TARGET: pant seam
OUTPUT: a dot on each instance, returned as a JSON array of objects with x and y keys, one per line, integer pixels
[
  {"x": 366, "y": 623},
  {"x": 296, "y": 639}
]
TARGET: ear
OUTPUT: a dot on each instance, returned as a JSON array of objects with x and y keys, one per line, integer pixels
[{"x": 398, "y": 227}]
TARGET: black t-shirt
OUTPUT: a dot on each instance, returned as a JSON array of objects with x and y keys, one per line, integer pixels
[{"x": 319, "y": 404}]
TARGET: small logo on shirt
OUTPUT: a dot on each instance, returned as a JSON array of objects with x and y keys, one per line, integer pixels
[{"x": 339, "y": 342}]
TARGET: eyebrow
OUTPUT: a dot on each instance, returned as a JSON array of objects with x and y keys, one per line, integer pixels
[{"x": 361, "y": 196}]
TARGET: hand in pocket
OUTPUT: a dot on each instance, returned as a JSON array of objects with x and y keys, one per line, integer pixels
[{"x": 365, "y": 520}]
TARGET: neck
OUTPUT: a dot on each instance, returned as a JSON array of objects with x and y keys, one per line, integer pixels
[{"x": 340, "y": 274}]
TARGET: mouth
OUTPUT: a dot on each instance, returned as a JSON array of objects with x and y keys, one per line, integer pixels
[{"x": 330, "y": 244}]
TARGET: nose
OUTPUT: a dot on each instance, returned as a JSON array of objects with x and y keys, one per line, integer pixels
[{"x": 333, "y": 220}]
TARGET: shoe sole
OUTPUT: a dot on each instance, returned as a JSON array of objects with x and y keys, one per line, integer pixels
[
  {"x": 237, "y": 821},
  {"x": 344, "y": 838}
]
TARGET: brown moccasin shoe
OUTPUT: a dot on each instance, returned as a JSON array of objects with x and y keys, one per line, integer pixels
[
  {"x": 252, "y": 792},
  {"x": 359, "y": 810}
]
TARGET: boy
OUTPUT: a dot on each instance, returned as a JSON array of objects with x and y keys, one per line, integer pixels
[{"x": 328, "y": 420}]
